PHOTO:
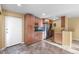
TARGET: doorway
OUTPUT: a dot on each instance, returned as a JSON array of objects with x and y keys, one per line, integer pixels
[
  {"x": 13, "y": 30},
  {"x": 49, "y": 32}
]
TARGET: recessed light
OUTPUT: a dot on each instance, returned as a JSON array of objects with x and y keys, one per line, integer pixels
[
  {"x": 43, "y": 14},
  {"x": 54, "y": 19},
  {"x": 18, "y": 4}
]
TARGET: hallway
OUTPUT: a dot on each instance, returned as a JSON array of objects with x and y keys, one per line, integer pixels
[{"x": 37, "y": 48}]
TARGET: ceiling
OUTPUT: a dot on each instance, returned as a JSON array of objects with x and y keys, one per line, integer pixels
[{"x": 49, "y": 10}]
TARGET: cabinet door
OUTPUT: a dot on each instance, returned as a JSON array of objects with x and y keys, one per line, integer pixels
[
  {"x": 27, "y": 29},
  {"x": 58, "y": 38},
  {"x": 62, "y": 21}
]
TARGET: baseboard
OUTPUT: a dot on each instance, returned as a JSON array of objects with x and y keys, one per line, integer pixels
[
  {"x": 76, "y": 40},
  {"x": 3, "y": 48},
  {"x": 22, "y": 42},
  {"x": 6, "y": 47}
]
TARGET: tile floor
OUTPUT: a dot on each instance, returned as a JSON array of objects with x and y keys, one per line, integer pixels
[
  {"x": 75, "y": 45},
  {"x": 37, "y": 48}
]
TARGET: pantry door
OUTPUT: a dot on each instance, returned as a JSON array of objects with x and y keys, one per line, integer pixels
[{"x": 13, "y": 30}]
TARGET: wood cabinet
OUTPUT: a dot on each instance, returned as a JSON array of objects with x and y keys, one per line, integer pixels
[
  {"x": 63, "y": 22},
  {"x": 30, "y": 35},
  {"x": 60, "y": 26},
  {"x": 58, "y": 38}
]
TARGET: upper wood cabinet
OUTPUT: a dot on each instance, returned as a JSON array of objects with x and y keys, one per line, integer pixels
[{"x": 62, "y": 21}]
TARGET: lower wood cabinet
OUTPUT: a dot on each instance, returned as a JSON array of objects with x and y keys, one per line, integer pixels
[{"x": 58, "y": 38}]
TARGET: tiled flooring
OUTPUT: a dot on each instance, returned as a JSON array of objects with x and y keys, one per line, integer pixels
[
  {"x": 51, "y": 40},
  {"x": 37, "y": 48},
  {"x": 75, "y": 45}
]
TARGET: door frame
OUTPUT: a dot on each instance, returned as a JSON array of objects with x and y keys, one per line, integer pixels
[{"x": 22, "y": 30}]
